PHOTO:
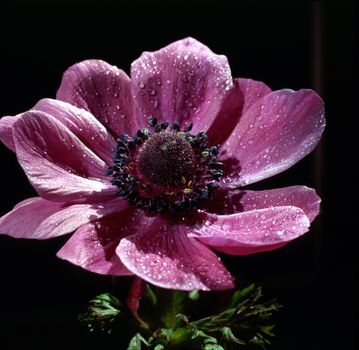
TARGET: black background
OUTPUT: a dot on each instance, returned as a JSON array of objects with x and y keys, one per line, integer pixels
[{"x": 295, "y": 46}]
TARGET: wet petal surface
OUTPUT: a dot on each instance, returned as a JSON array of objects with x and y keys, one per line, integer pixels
[
  {"x": 57, "y": 163},
  {"x": 183, "y": 82},
  {"x": 274, "y": 134},
  {"x": 82, "y": 124},
  {"x": 38, "y": 218},
  {"x": 103, "y": 90},
  {"x": 244, "y": 93},
  {"x": 93, "y": 246},
  {"x": 163, "y": 255},
  {"x": 252, "y": 231},
  {"x": 228, "y": 201}
]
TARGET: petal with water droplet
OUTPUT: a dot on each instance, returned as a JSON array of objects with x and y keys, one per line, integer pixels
[
  {"x": 193, "y": 83},
  {"x": 6, "y": 126},
  {"x": 163, "y": 255},
  {"x": 93, "y": 246},
  {"x": 244, "y": 93},
  {"x": 57, "y": 163},
  {"x": 275, "y": 133},
  {"x": 98, "y": 87},
  {"x": 252, "y": 231},
  {"x": 38, "y": 218},
  {"x": 227, "y": 201},
  {"x": 83, "y": 124}
]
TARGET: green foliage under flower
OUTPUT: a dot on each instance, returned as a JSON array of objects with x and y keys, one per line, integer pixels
[{"x": 169, "y": 320}]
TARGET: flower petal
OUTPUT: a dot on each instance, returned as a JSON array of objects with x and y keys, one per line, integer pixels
[
  {"x": 83, "y": 124},
  {"x": 252, "y": 231},
  {"x": 183, "y": 82},
  {"x": 244, "y": 93},
  {"x": 57, "y": 163},
  {"x": 38, "y": 218},
  {"x": 163, "y": 255},
  {"x": 6, "y": 126},
  {"x": 93, "y": 246},
  {"x": 275, "y": 133},
  {"x": 233, "y": 201},
  {"x": 103, "y": 90}
]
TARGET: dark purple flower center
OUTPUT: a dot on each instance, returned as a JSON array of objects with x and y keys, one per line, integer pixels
[
  {"x": 166, "y": 159},
  {"x": 165, "y": 169}
]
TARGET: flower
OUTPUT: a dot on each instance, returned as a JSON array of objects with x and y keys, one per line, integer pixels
[{"x": 147, "y": 171}]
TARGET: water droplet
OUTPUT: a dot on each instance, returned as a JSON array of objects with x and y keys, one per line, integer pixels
[
  {"x": 115, "y": 95},
  {"x": 280, "y": 232},
  {"x": 151, "y": 92},
  {"x": 98, "y": 225},
  {"x": 141, "y": 85}
]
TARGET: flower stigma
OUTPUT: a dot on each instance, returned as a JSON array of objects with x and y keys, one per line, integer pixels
[{"x": 165, "y": 169}]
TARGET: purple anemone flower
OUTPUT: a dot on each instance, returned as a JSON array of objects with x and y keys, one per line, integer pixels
[{"x": 147, "y": 171}]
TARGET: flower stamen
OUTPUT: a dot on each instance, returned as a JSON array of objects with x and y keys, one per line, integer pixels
[{"x": 165, "y": 169}]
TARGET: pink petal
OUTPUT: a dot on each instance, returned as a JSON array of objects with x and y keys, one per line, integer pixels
[
  {"x": 163, "y": 255},
  {"x": 6, "y": 126},
  {"x": 183, "y": 82},
  {"x": 244, "y": 93},
  {"x": 38, "y": 218},
  {"x": 275, "y": 133},
  {"x": 234, "y": 201},
  {"x": 103, "y": 90},
  {"x": 252, "y": 231},
  {"x": 93, "y": 246},
  {"x": 83, "y": 124},
  {"x": 57, "y": 163}
]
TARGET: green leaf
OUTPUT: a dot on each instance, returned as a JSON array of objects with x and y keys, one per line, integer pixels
[
  {"x": 230, "y": 337},
  {"x": 205, "y": 338},
  {"x": 159, "y": 347},
  {"x": 244, "y": 323},
  {"x": 101, "y": 313},
  {"x": 183, "y": 320},
  {"x": 174, "y": 307},
  {"x": 151, "y": 295},
  {"x": 105, "y": 305},
  {"x": 213, "y": 347},
  {"x": 241, "y": 294},
  {"x": 267, "y": 330},
  {"x": 136, "y": 342},
  {"x": 163, "y": 334},
  {"x": 194, "y": 294}
]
